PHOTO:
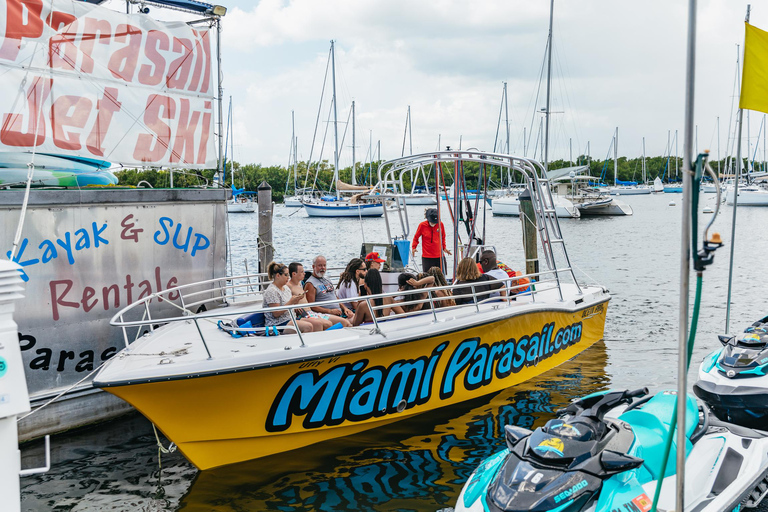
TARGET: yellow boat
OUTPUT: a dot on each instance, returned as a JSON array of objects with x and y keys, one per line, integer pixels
[{"x": 224, "y": 400}]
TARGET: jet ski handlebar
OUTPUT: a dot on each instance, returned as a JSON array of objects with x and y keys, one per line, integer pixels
[{"x": 596, "y": 406}]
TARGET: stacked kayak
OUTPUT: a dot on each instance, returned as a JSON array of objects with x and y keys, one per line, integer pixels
[{"x": 53, "y": 170}]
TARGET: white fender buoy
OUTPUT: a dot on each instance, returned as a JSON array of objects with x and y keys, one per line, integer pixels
[{"x": 672, "y": 203}]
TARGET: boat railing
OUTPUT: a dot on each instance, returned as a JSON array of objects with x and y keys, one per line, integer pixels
[{"x": 417, "y": 301}]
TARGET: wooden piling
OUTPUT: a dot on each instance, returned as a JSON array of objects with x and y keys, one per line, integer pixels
[
  {"x": 266, "y": 207},
  {"x": 530, "y": 229}
]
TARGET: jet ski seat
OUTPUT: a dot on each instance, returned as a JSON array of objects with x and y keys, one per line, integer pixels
[{"x": 651, "y": 425}]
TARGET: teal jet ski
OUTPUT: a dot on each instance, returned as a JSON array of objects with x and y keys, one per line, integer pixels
[{"x": 604, "y": 453}]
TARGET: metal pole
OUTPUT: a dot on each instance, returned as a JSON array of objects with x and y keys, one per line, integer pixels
[
  {"x": 525, "y": 149},
  {"x": 685, "y": 256},
  {"x": 677, "y": 152},
  {"x": 644, "y": 176},
  {"x": 549, "y": 84},
  {"x": 354, "y": 180},
  {"x": 737, "y": 177},
  {"x": 220, "y": 168},
  {"x": 335, "y": 125}
]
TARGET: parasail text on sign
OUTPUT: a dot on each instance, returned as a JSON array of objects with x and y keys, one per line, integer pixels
[{"x": 84, "y": 80}]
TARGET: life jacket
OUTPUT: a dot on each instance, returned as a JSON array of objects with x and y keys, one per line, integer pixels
[{"x": 516, "y": 279}]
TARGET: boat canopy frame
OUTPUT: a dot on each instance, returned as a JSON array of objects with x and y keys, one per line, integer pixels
[{"x": 391, "y": 173}]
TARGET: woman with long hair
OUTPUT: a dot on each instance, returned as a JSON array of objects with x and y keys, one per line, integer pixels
[
  {"x": 375, "y": 287},
  {"x": 279, "y": 294},
  {"x": 351, "y": 281},
  {"x": 443, "y": 298},
  {"x": 468, "y": 273}
]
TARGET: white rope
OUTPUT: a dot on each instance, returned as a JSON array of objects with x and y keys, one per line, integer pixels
[{"x": 49, "y": 402}]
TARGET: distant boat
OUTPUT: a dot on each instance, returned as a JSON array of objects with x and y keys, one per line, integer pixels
[
  {"x": 590, "y": 200},
  {"x": 658, "y": 186},
  {"x": 750, "y": 195},
  {"x": 360, "y": 204},
  {"x": 510, "y": 205},
  {"x": 242, "y": 201}
]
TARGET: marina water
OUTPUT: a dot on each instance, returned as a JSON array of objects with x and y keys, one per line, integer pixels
[{"x": 420, "y": 464}]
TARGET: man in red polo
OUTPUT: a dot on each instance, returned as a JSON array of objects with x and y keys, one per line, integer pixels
[{"x": 432, "y": 235}]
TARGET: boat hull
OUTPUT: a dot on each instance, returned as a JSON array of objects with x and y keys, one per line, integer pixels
[
  {"x": 564, "y": 209},
  {"x": 613, "y": 207},
  {"x": 245, "y": 413},
  {"x": 293, "y": 202},
  {"x": 420, "y": 199},
  {"x": 344, "y": 210},
  {"x": 630, "y": 191},
  {"x": 748, "y": 197},
  {"x": 241, "y": 207}
]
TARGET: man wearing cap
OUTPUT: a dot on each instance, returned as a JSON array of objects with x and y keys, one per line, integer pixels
[
  {"x": 432, "y": 234},
  {"x": 374, "y": 261}
]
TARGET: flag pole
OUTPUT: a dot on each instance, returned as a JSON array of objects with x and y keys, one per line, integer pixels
[
  {"x": 737, "y": 173},
  {"x": 685, "y": 256}
]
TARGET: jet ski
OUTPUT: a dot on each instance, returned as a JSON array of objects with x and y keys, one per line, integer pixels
[
  {"x": 604, "y": 453},
  {"x": 732, "y": 380}
]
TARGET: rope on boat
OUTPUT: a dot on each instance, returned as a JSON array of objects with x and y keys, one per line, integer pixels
[
  {"x": 162, "y": 449},
  {"x": 49, "y": 402}
]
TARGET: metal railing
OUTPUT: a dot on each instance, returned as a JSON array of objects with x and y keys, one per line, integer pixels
[{"x": 417, "y": 301}]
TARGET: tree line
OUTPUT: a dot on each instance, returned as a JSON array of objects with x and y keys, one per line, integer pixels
[{"x": 282, "y": 181}]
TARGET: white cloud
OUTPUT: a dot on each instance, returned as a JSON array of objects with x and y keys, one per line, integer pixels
[{"x": 617, "y": 64}]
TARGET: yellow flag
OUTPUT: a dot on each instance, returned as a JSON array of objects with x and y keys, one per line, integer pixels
[{"x": 754, "y": 83}]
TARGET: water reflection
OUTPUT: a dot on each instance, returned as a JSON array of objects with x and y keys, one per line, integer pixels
[{"x": 390, "y": 468}]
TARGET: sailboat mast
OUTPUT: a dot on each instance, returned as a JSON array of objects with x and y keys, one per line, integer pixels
[
  {"x": 506, "y": 116},
  {"x": 644, "y": 177},
  {"x": 220, "y": 169},
  {"x": 354, "y": 179},
  {"x": 549, "y": 85},
  {"x": 335, "y": 125},
  {"x": 718, "y": 149},
  {"x": 295, "y": 143},
  {"x": 410, "y": 132},
  {"x": 616, "y": 157}
]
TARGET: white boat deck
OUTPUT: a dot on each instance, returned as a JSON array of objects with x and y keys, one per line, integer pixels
[{"x": 162, "y": 356}]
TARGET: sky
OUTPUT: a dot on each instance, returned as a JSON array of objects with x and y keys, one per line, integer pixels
[{"x": 616, "y": 64}]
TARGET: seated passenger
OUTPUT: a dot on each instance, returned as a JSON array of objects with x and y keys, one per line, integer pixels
[
  {"x": 443, "y": 298},
  {"x": 363, "y": 313},
  {"x": 350, "y": 282},
  {"x": 374, "y": 261},
  {"x": 406, "y": 282},
  {"x": 467, "y": 273},
  {"x": 318, "y": 320},
  {"x": 491, "y": 268},
  {"x": 279, "y": 294},
  {"x": 320, "y": 289}
]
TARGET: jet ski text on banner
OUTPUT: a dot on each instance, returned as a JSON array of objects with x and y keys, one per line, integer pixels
[{"x": 85, "y": 80}]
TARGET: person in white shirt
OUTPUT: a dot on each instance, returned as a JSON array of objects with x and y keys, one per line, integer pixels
[
  {"x": 351, "y": 281},
  {"x": 491, "y": 267}
]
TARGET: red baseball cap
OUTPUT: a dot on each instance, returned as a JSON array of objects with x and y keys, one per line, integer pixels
[{"x": 374, "y": 256}]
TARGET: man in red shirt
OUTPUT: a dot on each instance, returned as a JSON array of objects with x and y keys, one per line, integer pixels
[{"x": 432, "y": 234}]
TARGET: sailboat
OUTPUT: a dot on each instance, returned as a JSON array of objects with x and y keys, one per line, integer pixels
[
  {"x": 242, "y": 201},
  {"x": 628, "y": 188},
  {"x": 361, "y": 204},
  {"x": 293, "y": 201}
]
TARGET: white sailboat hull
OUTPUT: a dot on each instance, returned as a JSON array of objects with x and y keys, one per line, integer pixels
[
  {"x": 511, "y": 206},
  {"x": 293, "y": 202},
  {"x": 417, "y": 199},
  {"x": 630, "y": 191},
  {"x": 343, "y": 209},
  {"x": 241, "y": 207},
  {"x": 750, "y": 196}
]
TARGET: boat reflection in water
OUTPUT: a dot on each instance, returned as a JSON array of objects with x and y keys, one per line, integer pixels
[{"x": 389, "y": 469}]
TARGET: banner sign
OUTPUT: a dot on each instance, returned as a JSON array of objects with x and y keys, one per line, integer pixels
[{"x": 84, "y": 80}]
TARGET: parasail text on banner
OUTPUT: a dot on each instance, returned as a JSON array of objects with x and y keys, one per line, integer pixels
[{"x": 84, "y": 80}]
